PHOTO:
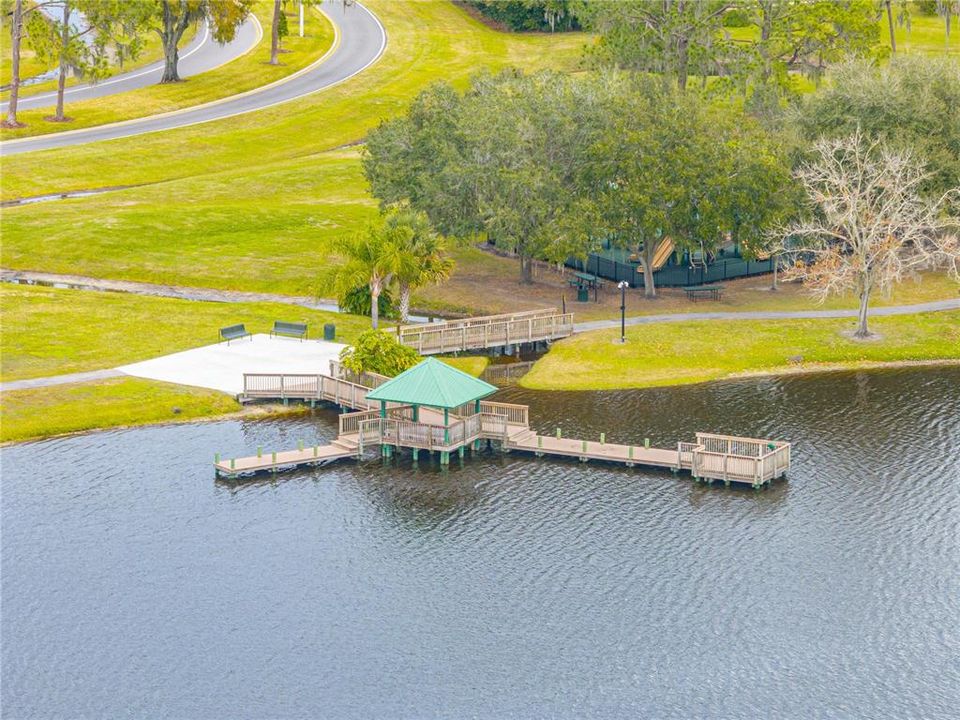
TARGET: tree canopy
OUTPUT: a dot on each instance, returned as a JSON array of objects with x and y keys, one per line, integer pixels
[
  {"x": 911, "y": 103},
  {"x": 546, "y": 164}
]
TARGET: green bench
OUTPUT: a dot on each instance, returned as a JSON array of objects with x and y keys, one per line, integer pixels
[
  {"x": 234, "y": 332},
  {"x": 290, "y": 329}
]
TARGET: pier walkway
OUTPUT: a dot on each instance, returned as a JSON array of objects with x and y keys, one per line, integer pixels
[
  {"x": 395, "y": 426},
  {"x": 480, "y": 333}
]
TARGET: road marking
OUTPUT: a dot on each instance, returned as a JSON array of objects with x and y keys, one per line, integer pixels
[
  {"x": 230, "y": 98},
  {"x": 125, "y": 76}
]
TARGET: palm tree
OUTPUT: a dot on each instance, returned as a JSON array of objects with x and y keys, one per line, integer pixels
[
  {"x": 372, "y": 259},
  {"x": 423, "y": 258}
]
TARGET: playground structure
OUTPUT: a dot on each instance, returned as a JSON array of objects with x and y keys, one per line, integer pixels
[{"x": 439, "y": 409}]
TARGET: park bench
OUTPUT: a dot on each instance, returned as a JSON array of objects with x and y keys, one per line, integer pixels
[
  {"x": 290, "y": 329},
  {"x": 697, "y": 292},
  {"x": 234, "y": 332}
]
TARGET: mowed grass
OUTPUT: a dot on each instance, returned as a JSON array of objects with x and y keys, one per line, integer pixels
[
  {"x": 31, "y": 66},
  {"x": 428, "y": 41},
  {"x": 270, "y": 230},
  {"x": 470, "y": 364},
  {"x": 247, "y": 72},
  {"x": 43, "y": 412},
  {"x": 48, "y": 331},
  {"x": 691, "y": 352}
]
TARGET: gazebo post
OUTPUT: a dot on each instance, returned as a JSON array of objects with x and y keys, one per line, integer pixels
[
  {"x": 476, "y": 409},
  {"x": 445, "y": 454},
  {"x": 385, "y": 449}
]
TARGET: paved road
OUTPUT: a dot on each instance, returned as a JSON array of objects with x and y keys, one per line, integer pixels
[
  {"x": 362, "y": 40},
  {"x": 201, "y": 54}
]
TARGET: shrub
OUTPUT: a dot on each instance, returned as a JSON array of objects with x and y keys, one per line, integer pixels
[
  {"x": 357, "y": 302},
  {"x": 378, "y": 351}
]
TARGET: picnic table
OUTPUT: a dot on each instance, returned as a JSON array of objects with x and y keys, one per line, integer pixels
[
  {"x": 698, "y": 292},
  {"x": 585, "y": 282},
  {"x": 581, "y": 278}
]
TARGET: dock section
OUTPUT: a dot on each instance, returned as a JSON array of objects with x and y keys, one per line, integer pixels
[{"x": 396, "y": 426}]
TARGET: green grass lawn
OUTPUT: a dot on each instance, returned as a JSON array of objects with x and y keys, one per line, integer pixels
[
  {"x": 31, "y": 66},
  {"x": 691, "y": 352},
  {"x": 43, "y": 412},
  {"x": 470, "y": 364},
  {"x": 247, "y": 72},
  {"x": 427, "y": 41},
  {"x": 47, "y": 331}
]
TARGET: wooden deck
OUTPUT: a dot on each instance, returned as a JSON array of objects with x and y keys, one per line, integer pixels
[
  {"x": 731, "y": 459},
  {"x": 490, "y": 331}
]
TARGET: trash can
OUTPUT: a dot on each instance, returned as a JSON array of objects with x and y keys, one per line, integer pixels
[
  {"x": 583, "y": 294},
  {"x": 329, "y": 331}
]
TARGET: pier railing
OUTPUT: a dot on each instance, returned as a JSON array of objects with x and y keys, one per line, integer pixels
[
  {"x": 350, "y": 422},
  {"x": 482, "y": 333},
  {"x": 425, "y": 436}
]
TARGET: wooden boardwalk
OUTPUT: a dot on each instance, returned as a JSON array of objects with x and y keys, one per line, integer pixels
[
  {"x": 730, "y": 459},
  {"x": 490, "y": 331}
]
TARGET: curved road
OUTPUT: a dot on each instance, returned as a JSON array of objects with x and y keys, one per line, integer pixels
[
  {"x": 360, "y": 42},
  {"x": 201, "y": 54}
]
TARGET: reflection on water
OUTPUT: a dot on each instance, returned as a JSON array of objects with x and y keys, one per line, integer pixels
[{"x": 134, "y": 584}]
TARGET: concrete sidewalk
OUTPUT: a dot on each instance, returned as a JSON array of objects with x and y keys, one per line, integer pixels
[
  {"x": 221, "y": 367},
  {"x": 936, "y": 306}
]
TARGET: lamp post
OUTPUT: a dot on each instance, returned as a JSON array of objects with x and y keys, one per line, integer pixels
[{"x": 623, "y": 285}]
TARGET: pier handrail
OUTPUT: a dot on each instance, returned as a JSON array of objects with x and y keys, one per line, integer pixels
[
  {"x": 350, "y": 422},
  {"x": 482, "y": 319},
  {"x": 488, "y": 333}
]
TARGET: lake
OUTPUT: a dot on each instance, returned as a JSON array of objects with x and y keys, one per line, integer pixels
[{"x": 135, "y": 585}]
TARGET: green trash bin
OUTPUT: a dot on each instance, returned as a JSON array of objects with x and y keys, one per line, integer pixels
[
  {"x": 329, "y": 331},
  {"x": 583, "y": 294}
]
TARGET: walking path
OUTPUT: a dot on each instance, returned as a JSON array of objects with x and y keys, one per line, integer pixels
[
  {"x": 80, "y": 282},
  {"x": 935, "y": 306}
]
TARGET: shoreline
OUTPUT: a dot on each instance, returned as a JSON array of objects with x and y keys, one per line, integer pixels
[
  {"x": 266, "y": 412},
  {"x": 786, "y": 370}
]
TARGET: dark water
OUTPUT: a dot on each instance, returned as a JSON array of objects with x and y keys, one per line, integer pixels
[{"x": 134, "y": 585}]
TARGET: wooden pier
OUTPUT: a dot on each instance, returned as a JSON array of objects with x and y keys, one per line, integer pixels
[
  {"x": 491, "y": 331},
  {"x": 730, "y": 459}
]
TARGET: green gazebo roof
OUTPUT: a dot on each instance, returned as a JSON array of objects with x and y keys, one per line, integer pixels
[{"x": 432, "y": 383}]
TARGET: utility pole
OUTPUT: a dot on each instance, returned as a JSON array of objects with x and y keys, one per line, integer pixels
[{"x": 301, "y": 18}]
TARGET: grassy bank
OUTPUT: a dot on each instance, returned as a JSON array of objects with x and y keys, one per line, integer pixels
[
  {"x": 47, "y": 331},
  {"x": 31, "y": 66},
  {"x": 247, "y": 72},
  {"x": 118, "y": 402},
  {"x": 427, "y": 41},
  {"x": 691, "y": 352}
]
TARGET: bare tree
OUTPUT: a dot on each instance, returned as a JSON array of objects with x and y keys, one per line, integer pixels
[{"x": 869, "y": 228}]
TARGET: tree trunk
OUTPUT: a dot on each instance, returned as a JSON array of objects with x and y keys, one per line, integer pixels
[
  {"x": 64, "y": 45},
  {"x": 775, "y": 264},
  {"x": 526, "y": 269},
  {"x": 275, "y": 34},
  {"x": 17, "y": 32},
  {"x": 173, "y": 28},
  {"x": 683, "y": 56},
  {"x": 375, "y": 305},
  {"x": 766, "y": 30},
  {"x": 404, "y": 302},
  {"x": 649, "y": 289},
  {"x": 862, "y": 330},
  {"x": 893, "y": 38}
]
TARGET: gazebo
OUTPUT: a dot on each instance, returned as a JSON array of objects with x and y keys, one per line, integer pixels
[{"x": 432, "y": 384}]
